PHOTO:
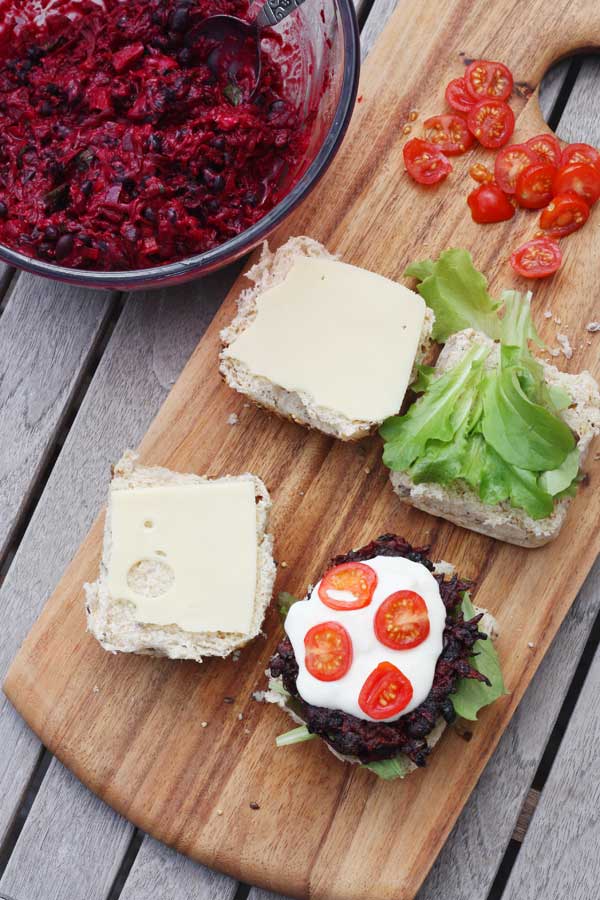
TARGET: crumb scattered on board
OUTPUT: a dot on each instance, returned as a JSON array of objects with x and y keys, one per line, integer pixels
[
  {"x": 592, "y": 327},
  {"x": 565, "y": 345},
  {"x": 233, "y": 419}
]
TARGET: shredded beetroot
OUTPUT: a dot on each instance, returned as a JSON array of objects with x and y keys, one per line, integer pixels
[{"x": 120, "y": 145}]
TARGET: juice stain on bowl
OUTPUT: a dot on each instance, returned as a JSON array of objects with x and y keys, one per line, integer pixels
[{"x": 123, "y": 145}]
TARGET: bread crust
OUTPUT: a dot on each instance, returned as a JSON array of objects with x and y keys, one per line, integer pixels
[
  {"x": 297, "y": 407},
  {"x": 111, "y": 621},
  {"x": 461, "y": 505}
]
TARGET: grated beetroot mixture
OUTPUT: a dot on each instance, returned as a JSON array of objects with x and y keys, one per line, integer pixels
[{"x": 121, "y": 147}]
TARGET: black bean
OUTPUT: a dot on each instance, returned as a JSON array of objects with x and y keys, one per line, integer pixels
[
  {"x": 179, "y": 20},
  {"x": 3, "y": 209},
  {"x": 64, "y": 246},
  {"x": 149, "y": 214},
  {"x": 51, "y": 233},
  {"x": 86, "y": 187}
]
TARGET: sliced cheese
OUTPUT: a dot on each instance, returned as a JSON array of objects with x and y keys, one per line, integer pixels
[
  {"x": 186, "y": 554},
  {"x": 342, "y": 335}
]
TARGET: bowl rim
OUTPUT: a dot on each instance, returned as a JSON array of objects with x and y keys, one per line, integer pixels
[{"x": 228, "y": 252}]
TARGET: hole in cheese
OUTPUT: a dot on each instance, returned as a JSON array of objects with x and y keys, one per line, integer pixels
[{"x": 150, "y": 577}]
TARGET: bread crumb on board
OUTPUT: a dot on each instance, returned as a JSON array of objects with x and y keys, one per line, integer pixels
[
  {"x": 233, "y": 419},
  {"x": 565, "y": 345},
  {"x": 592, "y": 327}
]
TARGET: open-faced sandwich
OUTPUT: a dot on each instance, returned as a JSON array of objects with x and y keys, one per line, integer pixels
[
  {"x": 167, "y": 585},
  {"x": 385, "y": 650},
  {"x": 324, "y": 343},
  {"x": 497, "y": 438}
]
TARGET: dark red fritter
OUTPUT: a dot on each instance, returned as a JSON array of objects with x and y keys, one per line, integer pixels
[
  {"x": 121, "y": 147},
  {"x": 370, "y": 741}
]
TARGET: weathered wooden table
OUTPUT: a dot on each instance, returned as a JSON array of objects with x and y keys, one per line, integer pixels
[{"x": 82, "y": 374}]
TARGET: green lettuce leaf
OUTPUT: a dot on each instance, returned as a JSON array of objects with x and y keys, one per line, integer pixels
[
  {"x": 457, "y": 293},
  {"x": 558, "y": 480},
  {"x": 423, "y": 380},
  {"x": 437, "y": 414},
  {"x": 284, "y": 602},
  {"x": 295, "y": 736},
  {"x": 522, "y": 432},
  {"x": 388, "y": 769},
  {"x": 471, "y": 695}
]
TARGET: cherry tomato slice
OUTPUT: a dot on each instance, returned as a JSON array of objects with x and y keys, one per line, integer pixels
[
  {"x": 348, "y": 586},
  {"x": 578, "y": 178},
  {"x": 449, "y": 133},
  {"x": 546, "y": 148},
  {"x": 581, "y": 153},
  {"x": 328, "y": 651},
  {"x": 485, "y": 79},
  {"x": 537, "y": 259},
  {"x": 564, "y": 215},
  {"x": 385, "y": 693},
  {"x": 534, "y": 186},
  {"x": 510, "y": 162},
  {"x": 458, "y": 97},
  {"x": 489, "y": 204},
  {"x": 402, "y": 621},
  {"x": 492, "y": 122},
  {"x": 425, "y": 162},
  {"x": 481, "y": 173}
]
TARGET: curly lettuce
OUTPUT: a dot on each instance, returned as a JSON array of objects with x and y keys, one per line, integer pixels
[{"x": 491, "y": 424}]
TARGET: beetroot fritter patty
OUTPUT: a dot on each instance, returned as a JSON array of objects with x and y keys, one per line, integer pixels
[{"x": 370, "y": 741}]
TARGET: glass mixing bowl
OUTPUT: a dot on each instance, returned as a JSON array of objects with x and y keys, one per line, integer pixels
[{"x": 322, "y": 78}]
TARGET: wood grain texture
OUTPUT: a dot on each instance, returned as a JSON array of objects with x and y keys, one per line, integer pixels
[
  {"x": 581, "y": 118},
  {"x": 42, "y": 358},
  {"x": 161, "y": 873},
  {"x": 559, "y": 856},
  {"x": 78, "y": 871},
  {"x": 150, "y": 345},
  {"x": 292, "y": 851}
]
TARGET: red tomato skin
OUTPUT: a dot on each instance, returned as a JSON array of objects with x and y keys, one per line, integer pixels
[
  {"x": 487, "y": 79},
  {"x": 549, "y": 263},
  {"x": 580, "y": 153},
  {"x": 489, "y": 204},
  {"x": 571, "y": 209},
  {"x": 534, "y": 186},
  {"x": 457, "y": 95},
  {"x": 509, "y": 163},
  {"x": 449, "y": 133},
  {"x": 346, "y": 651},
  {"x": 578, "y": 178},
  {"x": 546, "y": 148},
  {"x": 496, "y": 128},
  {"x": 423, "y": 171},
  {"x": 369, "y": 576},
  {"x": 380, "y": 678}
]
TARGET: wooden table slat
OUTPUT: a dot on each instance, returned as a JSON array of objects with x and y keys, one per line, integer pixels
[
  {"x": 42, "y": 358},
  {"x": 151, "y": 343}
]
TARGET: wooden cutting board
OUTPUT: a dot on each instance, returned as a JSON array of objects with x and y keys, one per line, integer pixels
[{"x": 131, "y": 727}]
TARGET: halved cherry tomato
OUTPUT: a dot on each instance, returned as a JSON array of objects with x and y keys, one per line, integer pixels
[
  {"x": 581, "y": 153},
  {"x": 402, "y": 620},
  {"x": 449, "y": 133},
  {"x": 510, "y": 162},
  {"x": 385, "y": 693},
  {"x": 546, "y": 148},
  {"x": 489, "y": 204},
  {"x": 534, "y": 186},
  {"x": 578, "y": 178},
  {"x": 564, "y": 215},
  {"x": 350, "y": 585},
  {"x": 537, "y": 259},
  {"x": 492, "y": 122},
  {"x": 458, "y": 97},
  {"x": 481, "y": 173},
  {"x": 425, "y": 162},
  {"x": 328, "y": 651},
  {"x": 485, "y": 79}
]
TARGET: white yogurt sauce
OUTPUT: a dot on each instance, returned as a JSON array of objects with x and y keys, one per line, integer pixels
[{"x": 394, "y": 573}]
